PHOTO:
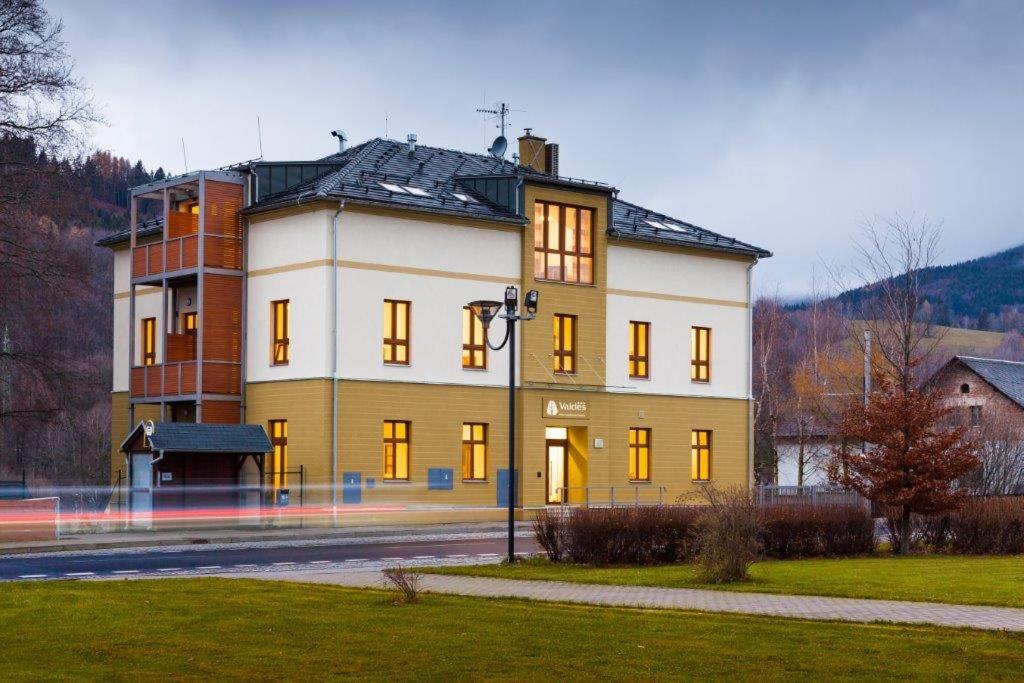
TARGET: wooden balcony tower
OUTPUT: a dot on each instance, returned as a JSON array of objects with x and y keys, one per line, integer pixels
[{"x": 197, "y": 260}]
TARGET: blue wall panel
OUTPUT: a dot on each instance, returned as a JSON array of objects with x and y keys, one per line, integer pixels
[
  {"x": 440, "y": 478},
  {"x": 351, "y": 488},
  {"x": 503, "y": 488}
]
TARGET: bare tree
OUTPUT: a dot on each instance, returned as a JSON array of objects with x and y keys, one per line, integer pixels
[{"x": 1000, "y": 442}]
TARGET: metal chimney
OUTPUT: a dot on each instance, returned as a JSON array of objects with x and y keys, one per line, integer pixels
[
  {"x": 411, "y": 139},
  {"x": 342, "y": 139}
]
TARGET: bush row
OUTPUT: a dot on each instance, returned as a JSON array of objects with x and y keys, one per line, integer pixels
[
  {"x": 982, "y": 526},
  {"x": 661, "y": 535}
]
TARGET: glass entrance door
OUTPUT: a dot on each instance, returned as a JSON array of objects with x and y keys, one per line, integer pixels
[{"x": 557, "y": 457}]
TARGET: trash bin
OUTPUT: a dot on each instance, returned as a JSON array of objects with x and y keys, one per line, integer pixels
[{"x": 282, "y": 497}]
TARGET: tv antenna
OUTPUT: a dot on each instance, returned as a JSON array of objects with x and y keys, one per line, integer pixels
[
  {"x": 259, "y": 135},
  {"x": 184, "y": 155},
  {"x": 502, "y": 113}
]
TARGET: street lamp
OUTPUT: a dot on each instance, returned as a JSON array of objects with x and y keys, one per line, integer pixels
[{"x": 486, "y": 311}]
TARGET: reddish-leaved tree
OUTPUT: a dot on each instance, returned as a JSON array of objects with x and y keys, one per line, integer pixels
[{"x": 913, "y": 458}]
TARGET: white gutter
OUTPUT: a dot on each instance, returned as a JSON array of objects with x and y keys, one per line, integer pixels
[
  {"x": 334, "y": 360},
  {"x": 750, "y": 373}
]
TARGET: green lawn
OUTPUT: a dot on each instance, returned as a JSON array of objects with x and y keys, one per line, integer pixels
[
  {"x": 260, "y": 630},
  {"x": 936, "y": 578}
]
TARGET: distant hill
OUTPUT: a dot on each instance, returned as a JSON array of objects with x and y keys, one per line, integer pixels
[{"x": 985, "y": 293}]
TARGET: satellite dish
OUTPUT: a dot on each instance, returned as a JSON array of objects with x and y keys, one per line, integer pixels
[
  {"x": 498, "y": 147},
  {"x": 149, "y": 427}
]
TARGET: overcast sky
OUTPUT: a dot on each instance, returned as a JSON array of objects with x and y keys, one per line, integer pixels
[{"x": 783, "y": 124}]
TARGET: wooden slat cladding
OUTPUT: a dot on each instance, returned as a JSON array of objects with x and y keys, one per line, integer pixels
[
  {"x": 222, "y": 252},
  {"x": 222, "y": 318},
  {"x": 222, "y": 378},
  {"x": 155, "y": 257},
  {"x": 223, "y": 205},
  {"x": 188, "y": 378},
  {"x": 222, "y": 412},
  {"x": 137, "y": 383},
  {"x": 138, "y": 261},
  {"x": 180, "y": 347},
  {"x": 181, "y": 223}
]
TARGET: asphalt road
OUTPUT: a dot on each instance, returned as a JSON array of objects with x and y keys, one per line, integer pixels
[{"x": 252, "y": 557}]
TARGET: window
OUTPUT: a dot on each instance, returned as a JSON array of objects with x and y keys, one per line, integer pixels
[
  {"x": 279, "y": 458},
  {"x": 965, "y": 388},
  {"x": 474, "y": 451},
  {"x": 396, "y": 332},
  {"x": 474, "y": 347},
  {"x": 149, "y": 341},
  {"x": 700, "y": 455},
  {"x": 189, "y": 322},
  {"x": 975, "y": 416},
  {"x": 396, "y": 449},
  {"x": 639, "y": 349},
  {"x": 563, "y": 243},
  {"x": 700, "y": 354},
  {"x": 639, "y": 454},
  {"x": 281, "y": 347},
  {"x": 564, "y": 355}
]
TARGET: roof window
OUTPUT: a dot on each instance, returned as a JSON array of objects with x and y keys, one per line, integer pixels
[
  {"x": 416, "y": 191},
  {"x": 396, "y": 189},
  {"x": 464, "y": 198}
]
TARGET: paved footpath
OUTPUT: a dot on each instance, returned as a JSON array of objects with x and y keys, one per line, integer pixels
[{"x": 796, "y": 606}]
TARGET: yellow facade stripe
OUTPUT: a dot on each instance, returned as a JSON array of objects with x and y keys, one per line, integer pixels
[
  {"x": 385, "y": 268},
  {"x": 676, "y": 297}
]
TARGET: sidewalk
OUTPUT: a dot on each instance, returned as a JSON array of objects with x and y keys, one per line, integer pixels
[
  {"x": 794, "y": 606},
  {"x": 135, "y": 539}
]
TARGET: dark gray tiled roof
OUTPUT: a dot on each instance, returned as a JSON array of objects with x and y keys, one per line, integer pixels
[
  {"x": 154, "y": 226},
  {"x": 439, "y": 174},
  {"x": 630, "y": 221},
  {"x": 1006, "y": 376},
  {"x": 206, "y": 438}
]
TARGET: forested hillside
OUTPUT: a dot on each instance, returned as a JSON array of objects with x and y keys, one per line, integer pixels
[{"x": 985, "y": 293}]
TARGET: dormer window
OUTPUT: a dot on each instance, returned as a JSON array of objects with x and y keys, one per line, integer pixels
[{"x": 563, "y": 243}]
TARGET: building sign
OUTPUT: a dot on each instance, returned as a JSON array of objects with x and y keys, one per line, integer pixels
[{"x": 565, "y": 408}]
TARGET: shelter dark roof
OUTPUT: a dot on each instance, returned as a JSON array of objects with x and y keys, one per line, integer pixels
[
  {"x": 189, "y": 437},
  {"x": 1006, "y": 376},
  {"x": 154, "y": 226}
]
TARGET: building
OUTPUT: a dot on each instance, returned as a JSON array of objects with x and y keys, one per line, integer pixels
[
  {"x": 325, "y": 301},
  {"x": 982, "y": 391}
]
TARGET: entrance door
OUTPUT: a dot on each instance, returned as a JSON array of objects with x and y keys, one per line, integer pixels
[{"x": 558, "y": 456}]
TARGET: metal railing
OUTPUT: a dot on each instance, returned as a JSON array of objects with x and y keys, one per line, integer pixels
[
  {"x": 630, "y": 499},
  {"x": 808, "y": 495}
]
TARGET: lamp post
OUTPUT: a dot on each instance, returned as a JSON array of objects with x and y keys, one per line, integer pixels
[{"x": 486, "y": 311}]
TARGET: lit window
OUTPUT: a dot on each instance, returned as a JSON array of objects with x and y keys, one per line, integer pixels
[
  {"x": 639, "y": 454},
  {"x": 700, "y": 354},
  {"x": 149, "y": 341},
  {"x": 396, "y": 189},
  {"x": 416, "y": 191},
  {"x": 639, "y": 349},
  {"x": 474, "y": 347},
  {"x": 700, "y": 455},
  {"x": 190, "y": 322},
  {"x": 396, "y": 332},
  {"x": 396, "y": 449},
  {"x": 278, "y": 473},
  {"x": 564, "y": 348},
  {"x": 280, "y": 348},
  {"x": 563, "y": 243},
  {"x": 474, "y": 451}
]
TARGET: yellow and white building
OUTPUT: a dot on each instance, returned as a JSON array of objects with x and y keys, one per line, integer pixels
[{"x": 325, "y": 301}]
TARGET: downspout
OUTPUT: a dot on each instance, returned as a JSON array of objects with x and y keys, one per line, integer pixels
[
  {"x": 334, "y": 361},
  {"x": 750, "y": 373}
]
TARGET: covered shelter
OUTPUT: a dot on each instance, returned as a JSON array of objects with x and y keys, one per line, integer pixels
[{"x": 180, "y": 465}]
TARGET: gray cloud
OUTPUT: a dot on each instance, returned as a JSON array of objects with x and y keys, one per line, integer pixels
[{"x": 780, "y": 124}]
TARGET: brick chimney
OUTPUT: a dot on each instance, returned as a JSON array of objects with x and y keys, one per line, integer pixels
[{"x": 532, "y": 151}]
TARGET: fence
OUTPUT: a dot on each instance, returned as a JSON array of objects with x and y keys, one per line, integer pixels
[
  {"x": 613, "y": 496},
  {"x": 808, "y": 495}
]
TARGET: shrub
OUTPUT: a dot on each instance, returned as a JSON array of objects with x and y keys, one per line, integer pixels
[
  {"x": 791, "y": 531},
  {"x": 601, "y": 536},
  {"x": 728, "y": 533},
  {"x": 405, "y": 582},
  {"x": 982, "y": 526}
]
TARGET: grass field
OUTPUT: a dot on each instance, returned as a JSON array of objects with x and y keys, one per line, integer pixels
[
  {"x": 936, "y": 578},
  {"x": 259, "y": 630}
]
